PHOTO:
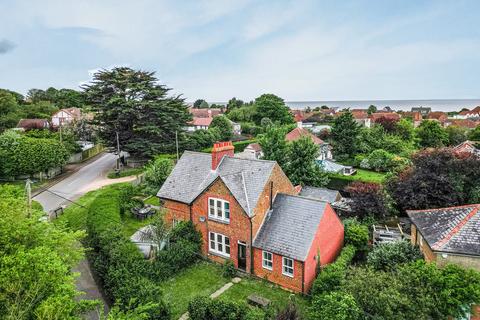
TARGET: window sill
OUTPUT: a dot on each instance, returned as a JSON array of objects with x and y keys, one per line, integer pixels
[
  {"x": 218, "y": 254},
  {"x": 218, "y": 220},
  {"x": 267, "y": 268},
  {"x": 287, "y": 275}
]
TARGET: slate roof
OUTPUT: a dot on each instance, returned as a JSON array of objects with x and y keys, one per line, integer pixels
[
  {"x": 245, "y": 178},
  {"x": 322, "y": 194},
  {"x": 455, "y": 229},
  {"x": 289, "y": 228}
]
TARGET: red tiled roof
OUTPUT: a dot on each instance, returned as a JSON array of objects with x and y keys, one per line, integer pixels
[
  {"x": 464, "y": 123},
  {"x": 437, "y": 115},
  {"x": 200, "y": 121},
  {"x": 388, "y": 115},
  {"x": 205, "y": 113},
  {"x": 33, "y": 124},
  {"x": 297, "y": 133},
  {"x": 359, "y": 114}
]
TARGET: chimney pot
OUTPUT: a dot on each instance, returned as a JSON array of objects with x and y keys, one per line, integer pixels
[{"x": 220, "y": 150}]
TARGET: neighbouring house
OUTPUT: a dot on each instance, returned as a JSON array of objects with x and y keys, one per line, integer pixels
[
  {"x": 463, "y": 123},
  {"x": 448, "y": 235},
  {"x": 300, "y": 115},
  {"x": 439, "y": 116},
  {"x": 66, "y": 116},
  {"x": 322, "y": 194},
  {"x": 252, "y": 151},
  {"x": 416, "y": 117},
  {"x": 299, "y": 132},
  {"x": 468, "y": 114},
  {"x": 248, "y": 212},
  {"x": 31, "y": 124},
  {"x": 472, "y": 147},
  {"x": 424, "y": 111},
  {"x": 384, "y": 115},
  {"x": 361, "y": 117},
  {"x": 198, "y": 123},
  {"x": 205, "y": 113}
]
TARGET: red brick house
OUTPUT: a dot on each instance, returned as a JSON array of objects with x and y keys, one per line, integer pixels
[{"x": 248, "y": 212}]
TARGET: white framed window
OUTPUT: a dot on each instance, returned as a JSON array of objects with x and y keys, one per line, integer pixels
[
  {"x": 219, "y": 244},
  {"x": 287, "y": 267},
  {"x": 219, "y": 209},
  {"x": 267, "y": 260}
]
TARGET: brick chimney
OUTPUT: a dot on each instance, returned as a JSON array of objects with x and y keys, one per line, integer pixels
[{"x": 221, "y": 149}]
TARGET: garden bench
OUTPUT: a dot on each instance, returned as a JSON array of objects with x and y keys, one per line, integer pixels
[{"x": 258, "y": 301}]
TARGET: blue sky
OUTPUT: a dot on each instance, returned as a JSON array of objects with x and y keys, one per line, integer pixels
[{"x": 300, "y": 50}]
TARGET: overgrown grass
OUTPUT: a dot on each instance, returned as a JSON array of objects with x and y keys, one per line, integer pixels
[
  {"x": 203, "y": 278},
  {"x": 338, "y": 181},
  {"x": 278, "y": 296},
  {"x": 153, "y": 200},
  {"x": 125, "y": 173}
]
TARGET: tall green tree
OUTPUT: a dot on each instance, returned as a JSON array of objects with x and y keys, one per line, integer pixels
[
  {"x": 456, "y": 135},
  {"x": 302, "y": 168},
  {"x": 474, "y": 134},
  {"x": 200, "y": 104},
  {"x": 345, "y": 131},
  {"x": 431, "y": 135},
  {"x": 272, "y": 107},
  {"x": 274, "y": 145},
  {"x": 9, "y": 110},
  {"x": 36, "y": 261},
  {"x": 233, "y": 104},
  {"x": 133, "y": 104},
  {"x": 224, "y": 126},
  {"x": 371, "y": 109}
]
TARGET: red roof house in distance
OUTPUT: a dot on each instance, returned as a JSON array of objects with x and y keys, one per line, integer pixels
[
  {"x": 249, "y": 212},
  {"x": 205, "y": 113},
  {"x": 30, "y": 124},
  {"x": 298, "y": 133},
  {"x": 471, "y": 147},
  {"x": 66, "y": 116},
  {"x": 467, "y": 114},
  {"x": 386, "y": 115},
  {"x": 439, "y": 116}
]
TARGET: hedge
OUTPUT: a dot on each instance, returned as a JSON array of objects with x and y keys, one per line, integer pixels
[
  {"x": 203, "y": 308},
  {"x": 128, "y": 279},
  {"x": 333, "y": 275},
  {"x": 238, "y": 145}
]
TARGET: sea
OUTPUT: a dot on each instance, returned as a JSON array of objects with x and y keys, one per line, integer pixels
[{"x": 404, "y": 105}]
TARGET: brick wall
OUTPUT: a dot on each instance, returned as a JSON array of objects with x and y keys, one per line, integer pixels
[
  {"x": 237, "y": 230},
  {"x": 176, "y": 210},
  {"x": 280, "y": 184},
  {"x": 328, "y": 242},
  {"x": 275, "y": 275}
]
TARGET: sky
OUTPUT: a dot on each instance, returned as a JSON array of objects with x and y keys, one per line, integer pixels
[{"x": 215, "y": 50}]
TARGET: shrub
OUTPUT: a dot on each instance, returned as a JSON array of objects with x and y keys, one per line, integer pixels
[
  {"x": 201, "y": 308},
  {"x": 290, "y": 312},
  {"x": 228, "y": 269},
  {"x": 333, "y": 275},
  {"x": 368, "y": 199},
  {"x": 356, "y": 234},
  {"x": 388, "y": 256},
  {"x": 156, "y": 173},
  {"x": 335, "y": 305}
]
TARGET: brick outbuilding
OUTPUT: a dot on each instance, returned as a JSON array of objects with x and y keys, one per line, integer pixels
[{"x": 247, "y": 211}]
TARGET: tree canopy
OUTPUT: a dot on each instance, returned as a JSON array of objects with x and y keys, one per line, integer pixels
[
  {"x": 132, "y": 103},
  {"x": 224, "y": 126},
  {"x": 431, "y": 134},
  {"x": 272, "y": 107},
  {"x": 345, "y": 131}
]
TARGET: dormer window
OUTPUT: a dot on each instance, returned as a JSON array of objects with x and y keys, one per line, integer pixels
[{"x": 219, "y": 209}]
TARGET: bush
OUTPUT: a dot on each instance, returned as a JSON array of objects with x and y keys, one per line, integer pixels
[
  {"x": 335, "y": 305},
  {"x": 290, "y": 312},
  {"x": 156, "y": 173},
  {"x": 228, "y": 269},
  {"x": 202, "y": 308},
  {"x": 332, "y": 276},
  {"x": 388, "y": 256},
  {"x": 356, "y": 234}
]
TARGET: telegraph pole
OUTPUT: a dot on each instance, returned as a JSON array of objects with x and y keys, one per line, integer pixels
[
  {"x": 28, "y": 188},
  {"x": 118, "y": 152},
  {"x": 176, "y": 142}
]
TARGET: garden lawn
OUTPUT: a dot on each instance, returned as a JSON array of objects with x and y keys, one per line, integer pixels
[
  {"x": 279, "y": 297},
  {"x": 201, "y": 279},
  {"x": 339, "y": 181},
  {"x": 153, "y": 200}
]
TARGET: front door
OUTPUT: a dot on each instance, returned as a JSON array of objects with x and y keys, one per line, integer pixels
[{"x": 242, "y": 256}]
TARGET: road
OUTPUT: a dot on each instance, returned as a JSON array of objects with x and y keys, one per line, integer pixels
[
  {"x": 90, "y": 177},
  {"x": 85, "y": 178}
]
